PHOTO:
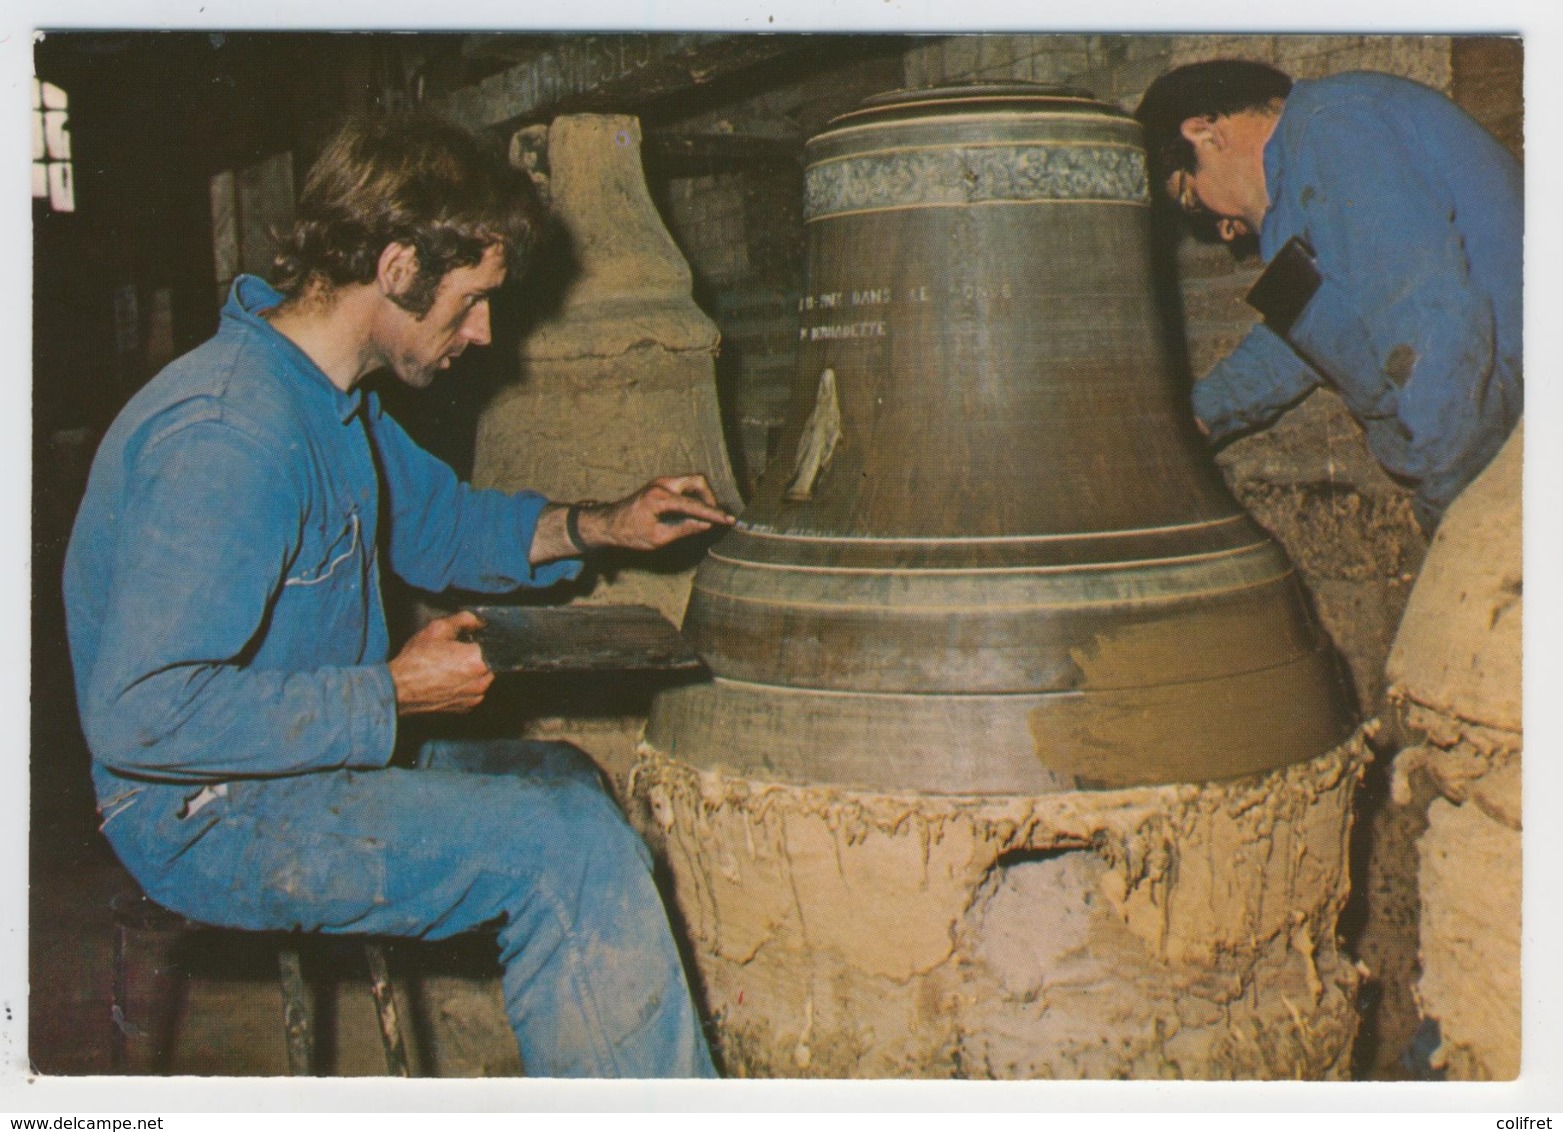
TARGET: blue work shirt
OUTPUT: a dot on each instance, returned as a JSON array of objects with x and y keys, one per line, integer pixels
[
  {"x": 1416, "y": 216},
  {"x": 222, "y": 585}
]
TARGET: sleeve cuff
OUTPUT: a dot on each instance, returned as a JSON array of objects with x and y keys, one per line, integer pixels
[
  {"x": 530, "y": 507},
  {"x": 372, "y": 710},
  {"x": 1252, "y": 385},
  {"x": 559, "y": 570}
]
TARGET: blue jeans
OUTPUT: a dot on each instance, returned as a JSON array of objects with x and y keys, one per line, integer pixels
[{"x": 508, "y": 830}]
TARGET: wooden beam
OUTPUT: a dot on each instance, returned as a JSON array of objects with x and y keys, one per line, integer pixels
[
  {"x": 708, "y": 152},
  {"x": 576, "y": 74}
]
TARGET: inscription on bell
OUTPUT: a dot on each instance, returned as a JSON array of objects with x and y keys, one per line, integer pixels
[
  {"x": 842, "y": 331},
  {"x": 1000, "y": 559},
  {"x": 869, "y": 297}
]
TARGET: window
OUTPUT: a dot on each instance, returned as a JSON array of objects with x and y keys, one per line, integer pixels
[{"x": 52, "y": 177}]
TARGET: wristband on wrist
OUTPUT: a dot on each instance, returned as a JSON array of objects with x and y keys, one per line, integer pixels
[{"x": 572, "y": 525}]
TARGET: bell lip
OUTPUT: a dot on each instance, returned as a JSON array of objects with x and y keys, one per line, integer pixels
[
  {"x": 975, "y": 96},
  {"x": 1027, "y": 745}
]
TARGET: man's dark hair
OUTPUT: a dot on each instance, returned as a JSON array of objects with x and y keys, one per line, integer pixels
[
  {"x": 1200, "y": 90},
  {"x": 406, "y": 180}
]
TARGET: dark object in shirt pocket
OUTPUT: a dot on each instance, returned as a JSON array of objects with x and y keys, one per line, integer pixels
[{"x": 1283, "y": 292}]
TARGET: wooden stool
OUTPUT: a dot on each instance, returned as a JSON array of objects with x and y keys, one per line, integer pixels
[{"x": 134, "y": 911}]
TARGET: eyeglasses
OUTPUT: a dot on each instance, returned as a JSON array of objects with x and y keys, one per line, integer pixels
[{"x": 1184, "y": 196}]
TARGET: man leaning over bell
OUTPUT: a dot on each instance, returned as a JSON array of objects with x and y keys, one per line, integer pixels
[{"x": 1391, "y": 226}]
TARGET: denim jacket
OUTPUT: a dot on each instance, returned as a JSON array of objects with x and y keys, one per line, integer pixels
[
  {"x": 222, "y": 584},
  {"x": 1416, "y": 217}
]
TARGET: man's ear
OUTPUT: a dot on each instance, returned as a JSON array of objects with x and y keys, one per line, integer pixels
[
  {"x": 397, "y": 268},
  {"x": 1203, "y": 132}
]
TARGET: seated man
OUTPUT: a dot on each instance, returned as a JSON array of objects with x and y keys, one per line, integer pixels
[
  {"x": 1392, "y": 225},
  {"x": 230, "y": 647}
]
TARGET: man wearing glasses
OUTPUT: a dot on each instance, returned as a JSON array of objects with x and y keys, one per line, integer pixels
[{"x": 1391, "y": 225}]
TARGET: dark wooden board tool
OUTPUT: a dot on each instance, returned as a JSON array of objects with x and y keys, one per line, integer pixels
[{"x": 581, "y": 638}]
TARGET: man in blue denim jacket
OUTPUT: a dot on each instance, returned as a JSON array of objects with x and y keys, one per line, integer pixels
[
  {"x": 231, "y": 655},
  {"x": 1408, "y": 222}
]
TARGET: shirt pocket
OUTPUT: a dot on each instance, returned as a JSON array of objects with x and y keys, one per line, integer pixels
[{"x": 332, "y": 553}]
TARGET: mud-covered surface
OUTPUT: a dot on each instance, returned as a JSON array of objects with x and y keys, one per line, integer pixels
[
  {"x": 1459, "y": 650},
  {"x": 1456, "y": 688},
  {"x": 1471, "y": 923},
  {"x": 1177, "y": 931},
  {"x": 1379, "y": 925},
  {"x": 1350, "y": 531},
  {"x": 1470, "y": 888}
]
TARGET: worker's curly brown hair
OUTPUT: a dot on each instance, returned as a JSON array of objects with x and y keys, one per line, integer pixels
[{"x": 406, "y": 180}]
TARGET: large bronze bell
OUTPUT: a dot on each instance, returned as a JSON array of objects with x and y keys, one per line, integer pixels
[{"x": 993, "y": 555}]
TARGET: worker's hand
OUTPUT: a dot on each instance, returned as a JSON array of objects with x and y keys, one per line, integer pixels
[
  {"x": 439, "y": 671},
  {"x": 1204, "y": 429},
  {"x": 664, "y": 511}
]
